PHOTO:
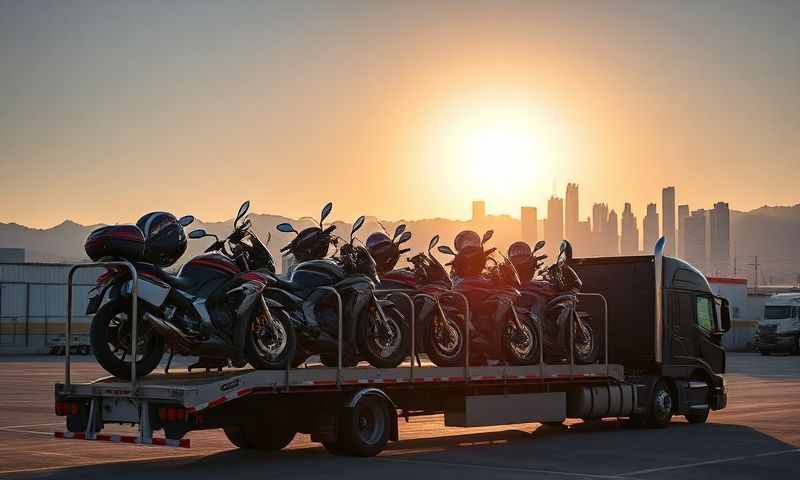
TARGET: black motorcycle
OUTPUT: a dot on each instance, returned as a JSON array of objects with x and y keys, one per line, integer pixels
[
  {"x": 372, "y": 329},
  {"x": 213, "y": 308},
  {"x": 553, "y": 298},
  {"x": 497, "y": 330}
]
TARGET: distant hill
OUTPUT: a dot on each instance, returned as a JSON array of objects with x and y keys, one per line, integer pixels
[{"x": 772, "y": 233}]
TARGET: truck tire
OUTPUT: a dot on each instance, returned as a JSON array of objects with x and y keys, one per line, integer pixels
[
  {"x": 796, "y": 347},
  {"x": 698, "y": 416},
  {"x": 764, "y": 353},
  {"x": 363, "y": 431},
  {"x": 662, "y": 405},
  {"x": 259, "y": 436}
]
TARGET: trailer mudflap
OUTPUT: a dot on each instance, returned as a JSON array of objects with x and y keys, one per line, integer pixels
[{"x": 487, "y": 410}]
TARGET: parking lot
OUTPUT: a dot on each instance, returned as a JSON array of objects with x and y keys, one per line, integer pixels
[{"x": 758, "y": 435}]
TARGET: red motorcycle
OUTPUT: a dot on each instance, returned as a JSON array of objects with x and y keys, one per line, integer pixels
[{"x": 439, "y": 329}]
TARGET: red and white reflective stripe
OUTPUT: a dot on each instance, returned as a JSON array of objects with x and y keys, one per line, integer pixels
[
  {"x": 213, "y": 403},
  {"x": 163, "y": 442}
]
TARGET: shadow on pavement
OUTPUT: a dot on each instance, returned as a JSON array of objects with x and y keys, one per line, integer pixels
[{"x": 594, "y": 448}]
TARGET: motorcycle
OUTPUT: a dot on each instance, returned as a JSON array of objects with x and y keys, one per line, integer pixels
[
  {"x": 553, "y": 297},
  {"x": 372, "y": 329},
  {"x": 437, "y": 332},
  {"x": 497, "y": 331},
  {"x": 212, "y": 308}
]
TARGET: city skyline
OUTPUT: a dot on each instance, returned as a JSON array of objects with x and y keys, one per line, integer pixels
[{"x": 703, "y": 236}]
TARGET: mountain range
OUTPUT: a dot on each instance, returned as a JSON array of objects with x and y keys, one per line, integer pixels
[{"x": 772, "y": 233}]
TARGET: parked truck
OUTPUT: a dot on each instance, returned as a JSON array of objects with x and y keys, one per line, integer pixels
[
  {"x": 660, "y": 328},
  {"x": 779, "y": 327}
]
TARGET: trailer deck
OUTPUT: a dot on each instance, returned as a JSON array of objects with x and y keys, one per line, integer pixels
[{"x": 203, "y": 390}]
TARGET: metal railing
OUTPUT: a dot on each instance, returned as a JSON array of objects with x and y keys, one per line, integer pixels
[{"x": 134, "y": 318}]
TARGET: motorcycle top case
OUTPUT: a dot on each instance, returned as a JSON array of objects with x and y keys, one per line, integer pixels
[{"x": 118, "y": 241}]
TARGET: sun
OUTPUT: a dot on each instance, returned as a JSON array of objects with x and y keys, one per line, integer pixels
[{"x": 502, "y": 152}]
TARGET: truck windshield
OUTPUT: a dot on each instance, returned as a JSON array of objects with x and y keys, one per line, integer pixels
[{"x": 777, "y": 312}]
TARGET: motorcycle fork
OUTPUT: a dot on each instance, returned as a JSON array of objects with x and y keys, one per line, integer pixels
[{"x": 383, "y": 322}]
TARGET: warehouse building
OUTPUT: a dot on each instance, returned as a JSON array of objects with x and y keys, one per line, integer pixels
[{"x": 33, "y": 305}]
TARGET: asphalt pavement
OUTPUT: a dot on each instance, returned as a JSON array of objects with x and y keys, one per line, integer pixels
[{"x": 757, "y": 436}]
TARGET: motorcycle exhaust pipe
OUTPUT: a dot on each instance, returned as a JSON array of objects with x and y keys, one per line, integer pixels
[{"x": 175, "y": 338}]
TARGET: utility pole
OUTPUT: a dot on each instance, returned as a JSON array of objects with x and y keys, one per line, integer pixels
[
  {"x": 755, "y": 273},
  {"x": 734, "y": 259}
]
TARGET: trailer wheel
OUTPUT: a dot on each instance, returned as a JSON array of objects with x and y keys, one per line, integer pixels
[
  {"x": 661, "y": 405},
  {"x": 259, "y": 436},
  {"x": 363, "y": 430},
  {"x": 84, "y": 350}
]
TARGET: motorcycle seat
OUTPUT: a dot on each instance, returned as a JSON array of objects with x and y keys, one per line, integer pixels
[
  {"x": 175, "y": 281},
  {"x": 293, "y": 287}
]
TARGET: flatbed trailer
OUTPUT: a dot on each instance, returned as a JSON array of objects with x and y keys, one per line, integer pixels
[{"x": 355, "y": 411}]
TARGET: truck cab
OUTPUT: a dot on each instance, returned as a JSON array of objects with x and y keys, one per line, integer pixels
[
  {"x": 779, "y": 326},
  {"x": 665, "y": 326}
]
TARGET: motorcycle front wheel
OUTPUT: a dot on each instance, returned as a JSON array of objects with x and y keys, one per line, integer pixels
[
  {"x": 380, "y": 348},
  {"x": 445, "y": 339},
  {"x": 110, "y": 338},
  {"x": 270, "y": 342},
  {"x": 520, "y": 346},
  {"x": 584, "y": 343}
]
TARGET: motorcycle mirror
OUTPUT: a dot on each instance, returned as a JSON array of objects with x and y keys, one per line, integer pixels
[
  {"x": 356, "y": 225},
  {"x": 285, "y": 228},
  {"x": 400, "y": 229},
  {"x": 433, "y": 243},
  {"x": 199, "y": 233},
  {"x": 487, "y": 236},
  {"x": 539, "y": 245},
  {"x": 566, "y": 250},
  {"x": 326, "y": 210},
  {"x": 242, "y": 211},
  {"x": 406, "y": 236},
  {"x": 446, "y": 250},
  {"x": 186, "y": 220}
]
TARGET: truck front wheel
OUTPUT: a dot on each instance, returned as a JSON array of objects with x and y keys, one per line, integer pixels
[
  {"x": 697, "y": 415},
  {"x": 264, "y": 437},
  {"x": 662, "y": 405}
]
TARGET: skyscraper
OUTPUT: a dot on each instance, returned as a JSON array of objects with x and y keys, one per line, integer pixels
[
  {"x": 695, "y": 239},
  {"x": 611, "y": 233},
  {"x": 683, "y": 214},
  {"x": 529, "y": 220},
  {"x": 719, "y": 223},
  {"x": 629, "y": 241},
  {"x": 668, "y": 219},
  {"x": 599, "y": 224},
  {"x": 650, "y": 228},
  {"x": 554, "y": 225},
  {"x": 478, "y": 210},
  {"x": 571, "y": 212}
]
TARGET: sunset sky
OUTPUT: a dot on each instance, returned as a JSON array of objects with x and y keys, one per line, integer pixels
[{"x": 396, "y": 109}]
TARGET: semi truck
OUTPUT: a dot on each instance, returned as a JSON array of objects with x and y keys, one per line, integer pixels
[{"x": 657, "y": 320}]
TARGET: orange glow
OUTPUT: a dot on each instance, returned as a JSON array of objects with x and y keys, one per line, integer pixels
[{"x": 501, "y": 151}]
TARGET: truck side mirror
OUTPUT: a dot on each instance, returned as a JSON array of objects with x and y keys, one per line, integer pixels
[{"x": 725, "y": 316}]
